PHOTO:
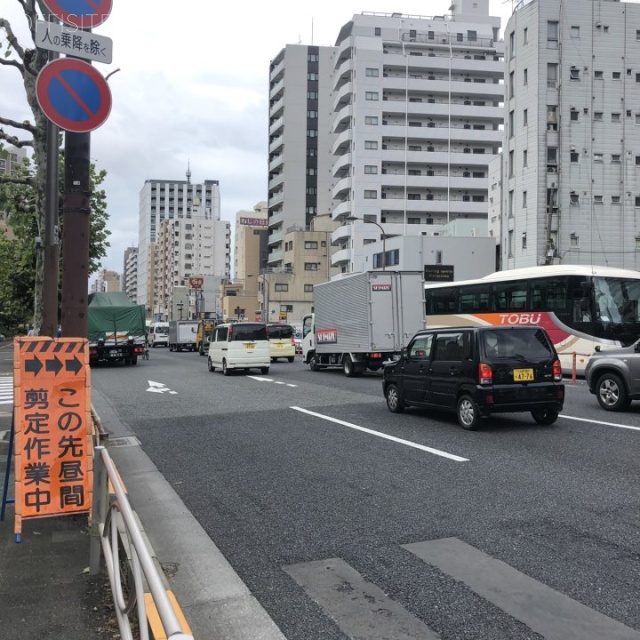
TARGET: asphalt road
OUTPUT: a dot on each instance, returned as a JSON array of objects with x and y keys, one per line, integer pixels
[{"x": 347, "y": 521}]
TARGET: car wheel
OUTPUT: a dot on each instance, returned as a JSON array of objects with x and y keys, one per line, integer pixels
[
  {"x": 347, "y": 366},
  {"x": 134, "y": 360},
  {"x": 290, "y": 358},
  {"x": 313, "y": 363},
  {"x": 201, "y": 351},
  {"x": 264, "y": 370},
  {"x": 225, "y": 370},
  {"x": 468, "y": 413},
  {"x": 210, "y": 365},
  {"x": 395, "y": 403},
  {"x": 611, "y": 393},
  {"x": 545, "y": 416}
]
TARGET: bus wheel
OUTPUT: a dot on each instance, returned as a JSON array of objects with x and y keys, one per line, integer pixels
[{"x": 611, "y": 393}]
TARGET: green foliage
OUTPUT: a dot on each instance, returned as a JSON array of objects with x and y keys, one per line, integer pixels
[{"x": 18, "y": 246}]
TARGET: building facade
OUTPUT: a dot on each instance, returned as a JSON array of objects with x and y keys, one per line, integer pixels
[
  {"x": 417, "y": 117},
  {"x": 300, "y": 141},
  {"x": 106, "y": 282},
  {"x": 130, "y": 273},
  {"x": 176, "y": 200},
  {"x": 570, "y": 177}
]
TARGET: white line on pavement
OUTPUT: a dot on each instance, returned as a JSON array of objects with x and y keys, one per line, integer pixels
[
  {"x": 608, "y": 424},
  {"x": 408, "y": 443}
]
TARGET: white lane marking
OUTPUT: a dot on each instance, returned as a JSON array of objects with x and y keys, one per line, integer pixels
[
  {"x": 159, "y": 387},
  {"x": 260, "y": 379},
  {"x": 608, "y": 424},
  {"x": 6, "y": 390},
  {"x": 407, "y": 443}
]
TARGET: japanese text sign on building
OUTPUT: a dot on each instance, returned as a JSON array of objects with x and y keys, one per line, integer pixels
[{"x": 53, "y": 445}]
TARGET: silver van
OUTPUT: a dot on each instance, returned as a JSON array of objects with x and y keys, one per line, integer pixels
[{"x": 239, "y": 345}]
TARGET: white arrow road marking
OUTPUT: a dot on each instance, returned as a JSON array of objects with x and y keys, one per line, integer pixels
[
  {"x": 378, "y": 434},
  {"x": 259, "y": 379},
  {"x": 159, "y": 387}
]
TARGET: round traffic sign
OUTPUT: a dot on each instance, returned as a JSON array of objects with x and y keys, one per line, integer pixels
[
  {"x": 80, "y": 13},
  {"x": 73, "y": 95}
]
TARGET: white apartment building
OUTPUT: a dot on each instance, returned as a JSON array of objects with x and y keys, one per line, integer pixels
[
  {"x": 174, "y": 199},
  {"x": 130, "y": 273},
  {"x": 300, "y": 141},
  {"x": 571, "y": 166},
  {"x": 417, "y": 117},
  {"x": 186, "y": 247}
]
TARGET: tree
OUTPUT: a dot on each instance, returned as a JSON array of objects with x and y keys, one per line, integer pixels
[
  {"x": 19, "y": 254},
  {"x": 24, "y": 192}
]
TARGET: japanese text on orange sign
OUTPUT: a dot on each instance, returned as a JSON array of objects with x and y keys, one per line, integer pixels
[{"x": 53, "y": 446}]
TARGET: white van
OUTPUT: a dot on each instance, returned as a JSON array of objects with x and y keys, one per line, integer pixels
[
  {"x": 158, "y": 334},
  {"x": 239, "y": 345}
]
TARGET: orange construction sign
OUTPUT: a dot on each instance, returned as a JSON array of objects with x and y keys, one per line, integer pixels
[{"x": 53, "y": 444}]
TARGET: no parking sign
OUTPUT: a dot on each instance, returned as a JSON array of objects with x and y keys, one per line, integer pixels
[{"x": 84, "y": 14}]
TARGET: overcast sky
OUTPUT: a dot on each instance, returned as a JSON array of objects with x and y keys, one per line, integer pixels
[{"x": 193, "y": 87}]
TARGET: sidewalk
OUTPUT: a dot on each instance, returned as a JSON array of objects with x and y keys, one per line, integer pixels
[{"x": 46, "y": 591}]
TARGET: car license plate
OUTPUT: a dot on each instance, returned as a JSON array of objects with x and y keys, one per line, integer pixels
[
  {"x": 249, "y": 346},
  {"x": 523, "y": 375},
  {"x": 115, "y": 354}
]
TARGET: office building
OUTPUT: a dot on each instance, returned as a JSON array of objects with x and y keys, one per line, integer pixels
[{"x": 570, "y": 177}]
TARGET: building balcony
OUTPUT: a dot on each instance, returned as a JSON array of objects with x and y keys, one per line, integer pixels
[
  {"x": 340, "y": 258},
  {"x": 344, "y": 68},
  {"x": 276, "y": 107},
  {"x": 276, "y": 180},
  {"x": 276, "y": 126},
  {"x": 343, "y": 96},
  {"x": 342, "y": 142},
  {"x": 276, "y": 162},
  {"x": 341, "y": 165},
  {"x": 276, "y": 198},
  {"x": 341, "y": 210},
  {"x": 276, "y": 144},
  {"x": 277, "y": 71},
  {"x": 341, "y": 188}
]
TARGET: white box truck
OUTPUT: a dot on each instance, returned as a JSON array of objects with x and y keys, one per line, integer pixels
[
  {"x": 182, "y": 335},
  {"x": 362, "y": 320}
]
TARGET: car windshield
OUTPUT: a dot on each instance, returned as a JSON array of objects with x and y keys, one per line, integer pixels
[{"x": 526, "y": 344}]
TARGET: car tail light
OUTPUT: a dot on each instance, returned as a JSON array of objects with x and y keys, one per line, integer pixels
[
  {"x": 485, "y": 373},
  {"x": 375, "y": 356},
  {"x": 293, "y": 341},
  {"x": 557, "y": 371}
]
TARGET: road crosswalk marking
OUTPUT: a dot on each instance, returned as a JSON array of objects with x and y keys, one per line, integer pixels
[
  {"x": 6, "y": 390},
  {"x": 358, "y": 607},
  {"x": 362, "y": 610},
  {"x": 543, "y": 609}
]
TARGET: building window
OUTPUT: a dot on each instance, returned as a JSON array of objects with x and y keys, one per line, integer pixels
[
  {"x": 312, "y": 114},
  {"x": 372, "y": 72},
  {"x": 311, "y": 191},
  {"x": 310, "y": 266},
  {"x": 575, "y": 156},
  {"x": 615, "y": 157},
  {"x": 525, "y": 117},
  {"x": 511, "y": 163},
  {"x": 370, "y": 194},
  {"x": 312, "y": 76},
  {"x": 615, "y": 117},
  {"x": 281, "y": 286},
  {"x": 310, "y": 244},
  {"x": 525, "y": 35},
  {"x": 370, "y": 144},
  {"x": 598, "y": 116},
  {"x": 574, "y": 73},
  {"x": 524, "y": 158},
  {"x": 511, "y": 84},
  {"x": 574, "y": 114},
  {"x": 552, "y": 35},
  {"x": 637, "y": 201},
  {"x": 308, "y": 288},
  {"x": 311, "y": 171},
  {"x": 377, "y": 31},
  {"x": 512, "y": 44},
  {"x": 370, "y": 168},
  {"x": 598, "y": 199},
  {"x": 524, "y": 240},
  {"x": 575, "y": 32},
  {"x": 598, "y": 75},
  {"x": 510, "y": 204},
  {"x": 511, "y": 126},
  {"x": 312, "y": 133},
  {"x": 510, "y": 254},
  {"x": 616, "y": 75},
  {"x": 371, "y": 119},
  {"x": 371, "y": 95},
  {"x": 552, "y": 75},
  {"x": 524, "y": 199},
  {"x": 598, "y": 157},
  {"x": 575, "y": 240},
  {"x": 525, "y": 77},
  {"x": 574, "y": 198},
  {"x": 615, "y": 199},
  {"x": 312, "y": 95}
]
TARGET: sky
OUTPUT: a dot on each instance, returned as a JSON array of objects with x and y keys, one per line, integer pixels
[{"x": 191, "y": 89}]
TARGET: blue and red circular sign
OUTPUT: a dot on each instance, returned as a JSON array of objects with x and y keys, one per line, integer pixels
[
  {"x": 84, "y": 14},
  {"x": 73, "y": 95}
]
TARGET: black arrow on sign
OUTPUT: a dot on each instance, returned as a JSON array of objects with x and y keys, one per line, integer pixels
[
  {"x": 54, "y": 365},
  {"x": 33, "y": 366},
  {"x": 73, "y": 365}
]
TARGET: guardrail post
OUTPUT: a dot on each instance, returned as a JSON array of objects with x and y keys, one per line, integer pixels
[
  {"x": 574, "y": 367},
  {"x": 98, "y": 510}
]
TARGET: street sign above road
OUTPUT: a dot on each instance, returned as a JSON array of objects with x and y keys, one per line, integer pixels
[
  {"x": 73, "y": 95},
  {"x": 84, "y": 14},
  {"x": 74, "y": 42}
]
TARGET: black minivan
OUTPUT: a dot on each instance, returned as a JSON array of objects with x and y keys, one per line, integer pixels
[{"x": 478, "y": 371}]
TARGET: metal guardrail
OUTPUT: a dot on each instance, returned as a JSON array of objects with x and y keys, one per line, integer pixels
[{"x": 114, "y": 525}]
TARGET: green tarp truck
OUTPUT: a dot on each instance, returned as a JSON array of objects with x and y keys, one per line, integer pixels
[{"x": 116, "y": 328}]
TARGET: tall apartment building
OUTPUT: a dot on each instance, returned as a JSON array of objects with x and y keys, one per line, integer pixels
[
  {"x": 106, "y": 282},
  {"x": 130, "y": 273},
  {"x": 174, "y": 199},
  {"x": 417, "y": 117},
  {"x": 571, "y": 166},
  {"x": 186, "y": 247},
  {"x": 300, "y": 141}
]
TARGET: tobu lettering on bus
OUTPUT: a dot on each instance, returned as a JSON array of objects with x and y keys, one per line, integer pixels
[{"x": 520, "y": 318}]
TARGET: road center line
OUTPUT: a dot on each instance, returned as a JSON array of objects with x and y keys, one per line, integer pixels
[
  {"x": 608, "y": 424},
  {"x": 407, "y": 443}
]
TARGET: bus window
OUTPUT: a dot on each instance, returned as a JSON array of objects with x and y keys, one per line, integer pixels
[
  {"x": 475, "y": 299},
  {"x": 510, "y": 296},
  {"x": 549, "y": 294},
  {"x": 442, "y": 301}
]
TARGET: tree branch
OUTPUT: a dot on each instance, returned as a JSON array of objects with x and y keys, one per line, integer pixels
[
  {"x": 4, "y": 179},
  {"x": 13, "y": 140},
  {"x": 25, "y": 125},
  {"x": 12, "y": 63},
  {"x": 11, "y": 37}
]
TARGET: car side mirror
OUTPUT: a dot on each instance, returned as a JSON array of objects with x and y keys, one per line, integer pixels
[
  {"x": 636, "y": 347},
  {"x": 598, "y": 348}
]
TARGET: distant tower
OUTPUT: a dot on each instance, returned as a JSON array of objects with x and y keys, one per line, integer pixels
[{"x": 188, "y": 172}]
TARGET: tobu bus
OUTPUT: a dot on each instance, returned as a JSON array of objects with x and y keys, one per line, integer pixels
[{"x": 579, "y": 306}]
